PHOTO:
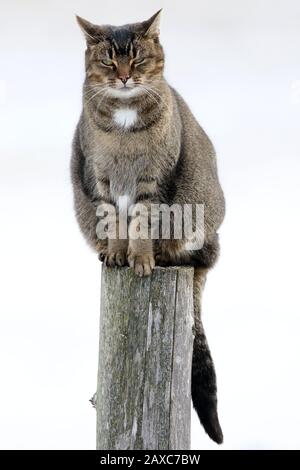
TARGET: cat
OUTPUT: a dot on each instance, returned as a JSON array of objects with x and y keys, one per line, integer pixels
[{"x": 137, "y": 138}]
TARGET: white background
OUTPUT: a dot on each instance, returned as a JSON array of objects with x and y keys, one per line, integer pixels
[{"x": 237, "y": 65}]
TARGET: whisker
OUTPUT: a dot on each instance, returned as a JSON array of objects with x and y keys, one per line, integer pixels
[
  {"x": 151, "y": 91},
  {"x": 92, "y": 88},
  {"x": 98, "y": 93},
  {"x": 104, "y": 96}
]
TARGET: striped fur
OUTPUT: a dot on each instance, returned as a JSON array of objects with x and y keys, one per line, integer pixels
[{"x": 163, "y": 156}]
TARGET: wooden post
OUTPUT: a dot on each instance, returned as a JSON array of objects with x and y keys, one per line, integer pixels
[{"x": 145, "y": 354}]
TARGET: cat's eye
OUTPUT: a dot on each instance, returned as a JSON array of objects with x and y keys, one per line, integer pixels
[
  {"x": 107, "y": 63},
  {"x": 139, "y": 61}
]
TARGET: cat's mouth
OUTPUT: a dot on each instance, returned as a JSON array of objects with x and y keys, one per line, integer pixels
[
  {"x": 129, "y": 85},
  {"x": 125, "y": 91},
  {"x": 126, "y": 88}
]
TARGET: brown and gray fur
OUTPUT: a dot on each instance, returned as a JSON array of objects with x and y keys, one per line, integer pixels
[{"x": 164, "y": 156}]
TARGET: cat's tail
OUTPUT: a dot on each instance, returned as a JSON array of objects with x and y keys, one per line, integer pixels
[{"x": 204, "y": 384}]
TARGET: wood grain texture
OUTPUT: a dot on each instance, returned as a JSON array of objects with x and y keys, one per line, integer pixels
[{"x": 145, "y": 354}]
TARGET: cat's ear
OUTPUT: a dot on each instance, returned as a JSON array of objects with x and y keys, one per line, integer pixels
[
  {"x": 151, "y": 26},
  {"x": 91, "y": 31}
]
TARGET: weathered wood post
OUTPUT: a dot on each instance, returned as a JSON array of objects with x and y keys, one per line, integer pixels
[{"x": 145, "y": 354}]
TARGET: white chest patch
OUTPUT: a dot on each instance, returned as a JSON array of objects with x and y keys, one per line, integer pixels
[{"x": 125, "y": 117}]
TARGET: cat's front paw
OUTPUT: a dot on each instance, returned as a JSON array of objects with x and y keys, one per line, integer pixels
[
  {"x": 142, "y": 264},
  {"x": 114, "y": 254},
  {"x": 115, "y": 258},
  {"x": 102, "y": 252}
]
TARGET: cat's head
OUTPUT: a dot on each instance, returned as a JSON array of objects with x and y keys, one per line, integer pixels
[{"x": 123, "y": 60}]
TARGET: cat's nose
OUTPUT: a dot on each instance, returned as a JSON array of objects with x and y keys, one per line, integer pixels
[{"x": 124, "y": 78}]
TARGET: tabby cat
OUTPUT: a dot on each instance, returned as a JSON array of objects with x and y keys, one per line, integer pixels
[{"x": 137, "y": 139}]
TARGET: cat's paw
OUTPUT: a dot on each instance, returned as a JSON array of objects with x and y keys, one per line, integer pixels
[
  {"x": 102, "y": 253},
  {"x": 141, "y": 264},
  {"x": 115, "y": 258}
]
